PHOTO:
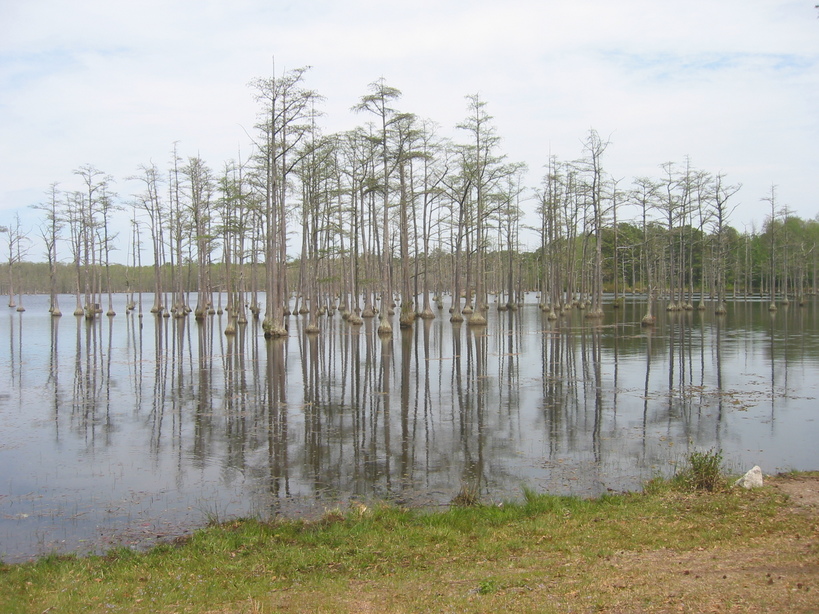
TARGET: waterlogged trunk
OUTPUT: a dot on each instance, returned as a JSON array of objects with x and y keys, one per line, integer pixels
[
  {"x": 427, "y": 313},
  {"x": 407, "y": 306}
]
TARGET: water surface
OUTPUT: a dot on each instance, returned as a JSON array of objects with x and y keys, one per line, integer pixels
[{"x": 127, "y": 430}]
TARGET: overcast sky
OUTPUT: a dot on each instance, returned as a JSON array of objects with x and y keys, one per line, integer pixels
[{"x": 732, "y": 84}]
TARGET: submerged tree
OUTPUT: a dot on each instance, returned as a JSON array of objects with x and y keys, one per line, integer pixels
[
  {"x": 457, "y": 189},
  {"x": 595, "y": 147},
  {"x": 50, "y": 233},
  {"x": 199, "y": 187},
  {"x": 150, "y": 203},
  {"x": 550, "y": 267},
  {"x": 106, "y": 206},
  {"x": 283, "y": 123},
  {"x": 389, "y": 143},
  {"x": 721, "y": 209},
  {"x": 15, "y": 241},
  {"x": 92, "y": 202},
  {"x": 508, "y": 215},
  {"x": 484, "y": 168},
  {"x": 432, "y": 173},
  {"x": 645, "y": 196},
  {"x": 771, "y": 200}
]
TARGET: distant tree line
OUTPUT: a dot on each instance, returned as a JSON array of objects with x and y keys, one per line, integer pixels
[
  {"x": 747, "y": 272},
  {"x": 391, "y": 214}
]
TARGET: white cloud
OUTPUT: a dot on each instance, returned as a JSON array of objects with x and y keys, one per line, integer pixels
[{"x": 733, "y": 84}]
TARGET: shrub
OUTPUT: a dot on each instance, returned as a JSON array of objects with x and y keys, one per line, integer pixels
[{"x": 705, "y": 471}]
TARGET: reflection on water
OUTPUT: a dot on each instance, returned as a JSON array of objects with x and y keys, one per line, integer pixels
[{"x": 126, "y": 430}]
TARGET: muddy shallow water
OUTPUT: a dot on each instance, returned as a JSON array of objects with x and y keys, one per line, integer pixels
[{"x": 128, "y": 430}]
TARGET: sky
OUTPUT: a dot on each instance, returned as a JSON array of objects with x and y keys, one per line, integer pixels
[{"x": 731, "y": 85}]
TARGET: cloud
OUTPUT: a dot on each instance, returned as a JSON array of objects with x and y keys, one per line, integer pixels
[{"x": 733, "y": 84}]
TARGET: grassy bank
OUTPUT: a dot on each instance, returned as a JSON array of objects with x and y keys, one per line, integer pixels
[{"x": 669, "y": 549}]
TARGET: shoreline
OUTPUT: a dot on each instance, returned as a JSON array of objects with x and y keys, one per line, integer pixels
[{"x": 650, "y": 552}]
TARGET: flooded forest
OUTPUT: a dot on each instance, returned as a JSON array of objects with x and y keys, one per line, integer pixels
[{"x": 385, "y": 314}]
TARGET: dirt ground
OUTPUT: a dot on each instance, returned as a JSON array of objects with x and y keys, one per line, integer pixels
[
  {"x": 773, "y": 573},
  {"x": 803, "y": 491}
]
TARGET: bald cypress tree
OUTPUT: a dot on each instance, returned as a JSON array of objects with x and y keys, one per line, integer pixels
[
  {"x": 379, "y": 102},
  {"x": 723, "y": 192},
  {"x": 483, "y": 166},
  {"x": 50, "y": 233},
  {"x": 283, "y": 124}
]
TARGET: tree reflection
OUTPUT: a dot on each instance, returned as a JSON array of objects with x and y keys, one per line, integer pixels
[
  {"x": 311, "y": 421},
  {"x": 405, "y": 467},
  {"x": 275, "y": 404},
  {"x": 53, "y": 381},
  {"x": 157, "y": 411}
]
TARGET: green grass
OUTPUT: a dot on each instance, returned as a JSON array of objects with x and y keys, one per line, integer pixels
[
  {"x": 702, "y": 471},
  {"x": 427, "y": 561},
  {"x": 705, "y": 472}
]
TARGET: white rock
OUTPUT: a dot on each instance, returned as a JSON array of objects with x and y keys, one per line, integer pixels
[{"x": 752, "y": 479}]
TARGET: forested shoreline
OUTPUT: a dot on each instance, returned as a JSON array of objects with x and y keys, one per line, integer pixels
[
  {"x": 391, "y": 209},
  {"x": 748, "y": 275}
]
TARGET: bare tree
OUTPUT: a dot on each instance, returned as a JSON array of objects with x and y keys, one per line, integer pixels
[
  {"x": 595, "y": 147},
  {"x": 16, "y": 243},
  {"x": 484, "y": 166},
  {"x": 199, "y": 187},
  {"x": 508, "y": 213},
  {"x": 772, "y": 201},
  {"x": 94, "y": 200},
  {"x": 722, "y": 194},
  {"x": 645, "y": 196},
  {"x": 432, "y": 175},
  {"x": 107, "y": 205},
  {"x": 50, "y": 233},
  {"x": 150, "y": 203},
  {"x": 286, "y": 108},
  {"x": 379, "y": 102}
]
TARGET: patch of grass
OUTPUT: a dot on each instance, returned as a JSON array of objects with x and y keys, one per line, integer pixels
[
  {"x": 485, "y": 587},
  {"x": 706, "y": 470},
  {"x": 542, "y": 554},
  {"x": 703, "y": 471}
]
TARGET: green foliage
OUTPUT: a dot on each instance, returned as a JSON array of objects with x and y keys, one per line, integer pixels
[
  {"x": 702, "y": 472},
  {"x": 706, "y": 470}
]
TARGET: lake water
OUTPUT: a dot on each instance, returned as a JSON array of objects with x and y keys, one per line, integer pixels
[{"x": 129, "y": 430}]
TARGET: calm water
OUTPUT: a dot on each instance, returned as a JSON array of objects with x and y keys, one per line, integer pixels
[{"x": 127, "y": 430}]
